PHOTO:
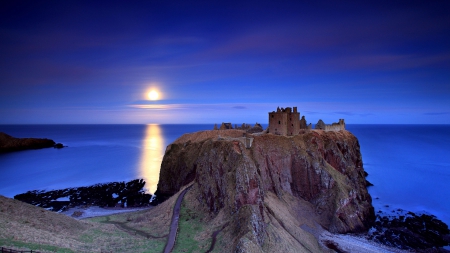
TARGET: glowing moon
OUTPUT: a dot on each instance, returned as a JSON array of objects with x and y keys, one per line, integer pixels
[{"x": 153, "y": 95}]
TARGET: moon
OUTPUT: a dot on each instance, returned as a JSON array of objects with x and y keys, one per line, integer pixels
[{"x": 153, "y": 95}]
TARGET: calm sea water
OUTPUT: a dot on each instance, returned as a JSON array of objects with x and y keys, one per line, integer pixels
[{"x": 408, "y": 164}]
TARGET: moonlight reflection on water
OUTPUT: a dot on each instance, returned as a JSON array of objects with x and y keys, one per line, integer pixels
[{"x": 152, "y": 155}]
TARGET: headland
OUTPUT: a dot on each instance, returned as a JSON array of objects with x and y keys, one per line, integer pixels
[{"x": 11, "y": 144}]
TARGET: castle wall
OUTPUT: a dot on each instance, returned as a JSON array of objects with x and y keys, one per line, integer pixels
[
  {"x": 333, "y": 127},
  {"x": 293, "y": 123},
  {"x": 284, "y": 121},
  {"x": 278, "y": 123}
]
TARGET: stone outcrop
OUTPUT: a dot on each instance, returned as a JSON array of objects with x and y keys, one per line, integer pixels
[
  {"x": 115, "y": 194},
  {"x": 411, "y": 232},
  {"x": 10, "y": 144},
  {"x": 271, "y": 190}
]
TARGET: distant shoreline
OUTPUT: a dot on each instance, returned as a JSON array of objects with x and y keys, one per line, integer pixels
[{"x": 12, "y": 144}]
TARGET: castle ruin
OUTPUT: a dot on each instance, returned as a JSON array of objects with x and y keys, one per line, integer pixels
[
  {"x": 246, "y": 127},
  {"x": 287, "y": 122},
  {"x": 333, "y": 127},
  {"x": 284, "y": 121}
]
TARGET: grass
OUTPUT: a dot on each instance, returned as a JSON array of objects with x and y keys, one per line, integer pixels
[
  {"x": 121, "y": 240},
  {"x": 10, "y": 243},
  {"x": 190, "y": 231},
  {"x": 196, "y": 227},
  {"x": 27, "y": 227}
]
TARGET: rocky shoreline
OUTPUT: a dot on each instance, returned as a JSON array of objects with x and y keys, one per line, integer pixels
[
  {"x": 115, "y": 194},
  {"x": 12, "y": 144},
  {"x": 410, "y": 231}
]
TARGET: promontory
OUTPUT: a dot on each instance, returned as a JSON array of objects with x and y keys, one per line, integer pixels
[
  {"x": 271, "y": 192},
  {"x": 10, "y": 144}
]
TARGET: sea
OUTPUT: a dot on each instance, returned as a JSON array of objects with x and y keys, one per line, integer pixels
[{"x": 408, "y": 165}]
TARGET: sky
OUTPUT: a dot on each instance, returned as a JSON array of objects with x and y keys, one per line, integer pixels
[{"x": 93, "y": 62}]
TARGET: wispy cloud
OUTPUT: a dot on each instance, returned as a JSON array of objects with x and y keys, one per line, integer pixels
[
  {"x": 344, "y": 113},
  {"x": 353, "y": 114},
  {"x": 436, "y": 113}
]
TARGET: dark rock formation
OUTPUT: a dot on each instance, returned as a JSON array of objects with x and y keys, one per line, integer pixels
[
  {"x": 316, "y": 170},
  {"x": 10, "y": 144},
  {"x": 122, "y": 194},
  {"x": 59, "y": 145},
  {"x": 411, "y": 232}
]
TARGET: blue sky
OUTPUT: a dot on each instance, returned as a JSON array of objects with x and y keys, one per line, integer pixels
[{"x": 233, "y": 61}]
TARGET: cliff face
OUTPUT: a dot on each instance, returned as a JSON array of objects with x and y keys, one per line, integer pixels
[{"x": 315, "y": 175}]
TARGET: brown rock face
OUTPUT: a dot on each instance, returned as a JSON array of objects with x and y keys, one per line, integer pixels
[{"x": 317, "y": 171}]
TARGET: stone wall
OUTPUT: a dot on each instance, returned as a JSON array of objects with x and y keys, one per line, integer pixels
[{"x": 333, "y": 127}]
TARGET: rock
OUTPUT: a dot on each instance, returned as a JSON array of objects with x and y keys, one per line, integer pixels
[
  {"x": 368, "y": 183},
  {"x": 77, "y": 214},
  {"x": 128, "y": 194},
  {"x": 316, "y": 170},
  {"x": 59, "y": 145},
  {"x": 410, "y": 232},
  {"x": 10, "y": 144}
]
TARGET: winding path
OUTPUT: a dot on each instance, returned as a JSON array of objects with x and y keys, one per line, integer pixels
[
  {"x": 214, "y": 235},
  {"x": 174, "y": 223},
  {"x": 131, "y": 231}
]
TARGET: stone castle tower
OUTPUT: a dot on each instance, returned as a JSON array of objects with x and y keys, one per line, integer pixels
[{"x": 284, "y": 121}]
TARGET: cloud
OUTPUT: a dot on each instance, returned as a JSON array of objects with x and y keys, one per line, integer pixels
[
  {"x": 344, "y": 113},
  {"x": 311, "y": 112},
  {"x": 436, "y": 113},
  {"x": 171, "y": 105},
  {"x": 353, "y": 114}
]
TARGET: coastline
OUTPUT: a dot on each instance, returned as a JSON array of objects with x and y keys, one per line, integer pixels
[
  {"x": 80, "y": 213},
  {"x": 340, "y": 239}
]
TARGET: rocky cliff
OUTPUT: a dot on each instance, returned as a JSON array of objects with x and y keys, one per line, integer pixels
[
  {"x": 277, "y": 191},
  {"x": 9, "y": 143}
]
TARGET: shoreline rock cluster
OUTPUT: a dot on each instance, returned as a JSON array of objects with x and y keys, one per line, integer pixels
[
  {"x": 115, "y": 194},
  {"x": 410, "y": 231},
  {"x": 12, "y": 144}
]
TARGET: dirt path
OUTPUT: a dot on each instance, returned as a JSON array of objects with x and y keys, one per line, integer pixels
[
  {"x": 131, "y": 231},
  {"x": 214, "y": 235},
  {"x": 174, "y": 223}
]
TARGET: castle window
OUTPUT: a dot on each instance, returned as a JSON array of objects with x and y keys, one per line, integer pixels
[
  {"x": 292, "y": 124},
  {"x": 272, "y": 115},
  {"x": 279, "y": 122}
]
